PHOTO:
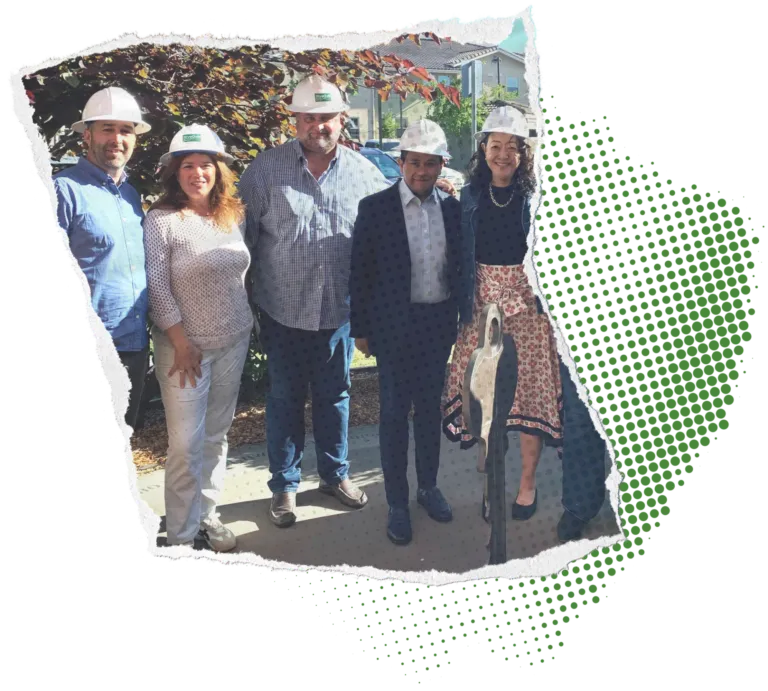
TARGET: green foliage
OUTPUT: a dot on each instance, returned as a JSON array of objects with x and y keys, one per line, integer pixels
[
  {"x": 455, "y": 121},
  {"x": 458, "y": 121},
  {"x": 388, "y": 126}
]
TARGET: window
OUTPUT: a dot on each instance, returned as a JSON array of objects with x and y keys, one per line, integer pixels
[
  {"x": 444, "y": 79},
  {"x": 513, "y": 85}
]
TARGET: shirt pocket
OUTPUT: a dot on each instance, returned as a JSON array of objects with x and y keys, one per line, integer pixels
[
  {"x": 95, "y": 227},
  {"x": 292, "y": 210},
  {"x": 344, "y": 216}
]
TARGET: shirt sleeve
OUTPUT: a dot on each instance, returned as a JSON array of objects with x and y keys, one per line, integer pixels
[
  {"x": 64, "y": 206},
  {"x": 157, "y": 249},
  {"x": 253, "y": 192},
  {"x": 378, "y": 181}
]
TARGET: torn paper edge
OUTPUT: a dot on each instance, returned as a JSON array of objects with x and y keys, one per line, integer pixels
[
  {"x": 112, "y": 367},
  {"x": 482, "y": 31},
  {"x": 487, "y": 30}
]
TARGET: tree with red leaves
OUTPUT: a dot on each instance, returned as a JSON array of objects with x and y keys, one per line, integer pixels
[{"x": 241, "y": 93}]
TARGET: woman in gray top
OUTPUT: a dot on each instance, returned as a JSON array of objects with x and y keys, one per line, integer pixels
[{"x": 196, "y": 265}]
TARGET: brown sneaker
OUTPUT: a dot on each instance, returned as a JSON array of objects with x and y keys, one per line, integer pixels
[
  {"x": 347, "y": 493},
  {"x": 282, "y": 509}
]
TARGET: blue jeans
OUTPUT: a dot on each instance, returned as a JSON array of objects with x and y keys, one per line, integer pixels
[
  {"x": 295, "y": 360},
  {"x": 583, "y": 455},
  {"x": 413, "y": 373}
]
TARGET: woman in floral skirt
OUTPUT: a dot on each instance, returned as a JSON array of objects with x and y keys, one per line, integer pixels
[{"x": 495, "y": 225}]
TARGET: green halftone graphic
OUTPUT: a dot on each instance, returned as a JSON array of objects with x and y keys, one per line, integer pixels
[{"x": 649, "y": 285}]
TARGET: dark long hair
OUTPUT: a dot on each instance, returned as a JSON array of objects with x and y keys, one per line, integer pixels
[{"x": 524, "y": 179}]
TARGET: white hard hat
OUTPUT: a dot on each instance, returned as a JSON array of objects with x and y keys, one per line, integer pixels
[
  {"x": 315, "y": 95},
  {"x": 505, "y": 119},
  {"x": 425, "y": 137},
  {"x": 112, "y": 103},
  {"x": 196, "y": 139}
]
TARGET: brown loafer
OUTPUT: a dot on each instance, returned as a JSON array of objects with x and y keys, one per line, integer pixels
[
  {"x": 282, "y": 509},
  {"x": 347, "y": 493}
]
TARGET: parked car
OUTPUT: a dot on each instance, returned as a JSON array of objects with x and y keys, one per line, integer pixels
[
  {"x": 384, "y": 162},
  {"x": 387, "y": 145},
  {"x": 455, "y": 177}
]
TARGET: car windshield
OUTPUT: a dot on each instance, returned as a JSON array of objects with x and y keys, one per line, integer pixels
[{"x": 385, "y": 164}]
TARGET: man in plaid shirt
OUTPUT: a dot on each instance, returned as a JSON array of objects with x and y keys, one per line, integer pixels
[{"x": 302, "y": 199}]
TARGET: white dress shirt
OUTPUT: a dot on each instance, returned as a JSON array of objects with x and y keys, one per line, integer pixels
[{"x": 426, "y": 239}]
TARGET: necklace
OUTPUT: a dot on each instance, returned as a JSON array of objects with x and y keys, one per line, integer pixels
[{"x": 493, "y": 199}]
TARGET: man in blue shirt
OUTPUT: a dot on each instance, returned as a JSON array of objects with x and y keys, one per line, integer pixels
[{"x": 102, "y": 216}]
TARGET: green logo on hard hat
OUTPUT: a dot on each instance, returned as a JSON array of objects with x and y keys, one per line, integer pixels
[
  {"x": 191, "y": 138},
  {"x": 321, "y": 98}
]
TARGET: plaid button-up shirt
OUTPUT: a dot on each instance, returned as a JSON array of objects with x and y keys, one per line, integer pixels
[{"x": 299, "y": 230}]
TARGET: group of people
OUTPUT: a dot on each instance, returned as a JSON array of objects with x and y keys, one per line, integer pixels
[{"x": 315, "y": 250}]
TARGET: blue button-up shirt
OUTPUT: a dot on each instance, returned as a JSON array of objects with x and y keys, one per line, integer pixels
[
  {"x": 103, "y": 222},
  {"x": 299, "y": 230}
]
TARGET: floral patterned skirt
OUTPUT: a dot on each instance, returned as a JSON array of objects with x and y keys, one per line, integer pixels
[{"x": 537, "y": 408}]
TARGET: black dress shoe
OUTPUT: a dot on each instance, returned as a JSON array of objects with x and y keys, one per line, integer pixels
[
  {"x": 434, "y": 502},
  {"x": 523, "y": 513},
  {"x": 399, "y": 526},
  {"x": 569, "y": 527}
]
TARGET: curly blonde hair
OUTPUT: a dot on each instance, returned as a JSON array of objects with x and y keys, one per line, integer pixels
[{"x": 227, "y": 210}]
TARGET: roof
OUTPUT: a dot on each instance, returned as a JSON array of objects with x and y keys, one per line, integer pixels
[
  {"x": 465, "y": 57},
  {"x": 522, "y": 107},
  {"x": 431, "y": 55}
]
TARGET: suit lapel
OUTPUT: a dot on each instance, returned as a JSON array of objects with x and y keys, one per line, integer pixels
[
  {"x": 451, "y": 222},
  {"x": 399, "y": 245}
]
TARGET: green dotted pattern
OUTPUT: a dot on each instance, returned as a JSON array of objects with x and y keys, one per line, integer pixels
[{"x": 649, "y": 286}]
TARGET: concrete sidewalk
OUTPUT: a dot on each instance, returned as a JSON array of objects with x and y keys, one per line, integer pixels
[{"x": 327, "y": 534}]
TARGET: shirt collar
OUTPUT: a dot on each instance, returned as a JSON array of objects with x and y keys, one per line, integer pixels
[
  {"x": 407, "y": 196},
  {"x": 96, "y": 173}
]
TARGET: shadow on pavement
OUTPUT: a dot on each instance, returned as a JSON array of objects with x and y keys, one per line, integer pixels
[{"x": 328, "y": 534}]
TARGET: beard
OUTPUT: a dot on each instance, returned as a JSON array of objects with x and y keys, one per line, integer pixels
[
  {"x": 320, "y": 145},
  {"x": 111, "y": 159}
]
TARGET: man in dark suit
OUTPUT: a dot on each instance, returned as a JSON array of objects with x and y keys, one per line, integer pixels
[{"x": 403, "y": 292}]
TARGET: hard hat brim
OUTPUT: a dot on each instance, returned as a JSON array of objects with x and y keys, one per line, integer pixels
[
  {"x": 140, "y": 127},
  {"x": 166, "y": 158},
  {"x": 424, "y": 150},
  {"x": 501, "y": 130},
  {"x": 320, "y": 109}
]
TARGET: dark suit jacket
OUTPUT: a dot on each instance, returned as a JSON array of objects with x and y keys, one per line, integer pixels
[{"x": 380, "y": 279}]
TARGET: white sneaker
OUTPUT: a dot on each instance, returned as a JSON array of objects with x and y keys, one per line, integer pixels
[{"x": 218, "y": 537}]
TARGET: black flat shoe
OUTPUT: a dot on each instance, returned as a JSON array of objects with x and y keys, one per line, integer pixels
[{"x": 523, "y": 513}]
